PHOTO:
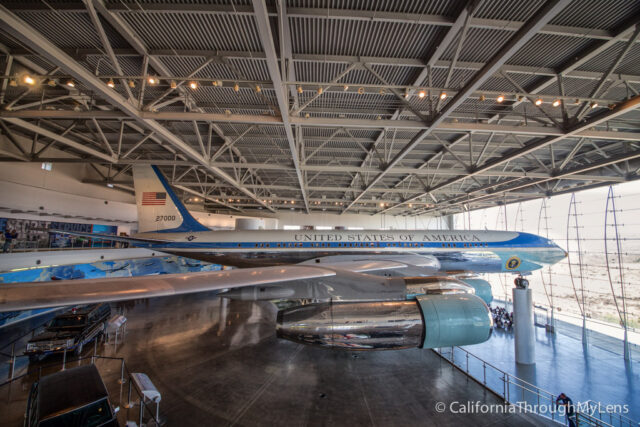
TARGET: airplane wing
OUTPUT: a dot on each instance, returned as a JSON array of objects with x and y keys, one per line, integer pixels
[{"x": 24, "y": 296}]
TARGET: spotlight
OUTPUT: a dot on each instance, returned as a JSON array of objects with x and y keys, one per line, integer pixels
[
  {"x": 29, "y": 80},
  {"x": 593, "y": 105},
  {"x": 320, "y": 90},
  {"x": 382, "y": 204},
  {"x": 236, "y": 87},
  {"x": 482, "y": 98},
  {"x": 538, "y": 101},
  {"x": 111, "y": 84},
  {"x": 360, "y": 90},
  {"x": 410, "y": 205},
  {"x": 299, "y": 89},
  {"x": 306, "y": 116},
  {"x": 556, "y": 103},
  {"x": 132, "y": 84},
  {"x": 443, "y": 95},
  {"x": 422, "y": 93},
  {"x": 71, "y": 83},
  {"x": 51, "y": 82},
  {"x": 406, "y": 94},
  {"x": 293, "y": 202},
  {"x": 345, "y": 88},
  {"x": 499, "y": 99},
  {"x": 193, "y": 85},
  {"x": 258, "y": 89},
  {"x": 173, "y": 84},
  {"x": 381, "y": 91},
  {"x": 13, "y": 83},
  {"x": 152, "y": 80}
]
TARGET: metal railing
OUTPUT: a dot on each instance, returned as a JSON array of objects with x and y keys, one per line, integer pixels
[
  {"x": 527, "y": 396},
  {"x": 114, "y": 372}
]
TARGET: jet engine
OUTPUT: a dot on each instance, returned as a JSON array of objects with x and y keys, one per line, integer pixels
[
  {"x": 481, "y": 286},
  {"x": 429, "y": 321}
]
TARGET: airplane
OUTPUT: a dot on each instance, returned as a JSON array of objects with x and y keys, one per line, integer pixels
[{"x": 369, "y": 289}]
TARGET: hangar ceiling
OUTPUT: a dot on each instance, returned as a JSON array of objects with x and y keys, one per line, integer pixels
[{"x": 405, "y": 108}]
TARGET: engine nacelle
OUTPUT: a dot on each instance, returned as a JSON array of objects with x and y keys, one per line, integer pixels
[
  {"x": 435, "y": 285},
  {"x": 430, "y": 321},
  {"x": 482, "y": 288}
]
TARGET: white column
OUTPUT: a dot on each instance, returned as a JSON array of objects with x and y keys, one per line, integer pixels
[{"x": 523, "y": 326}]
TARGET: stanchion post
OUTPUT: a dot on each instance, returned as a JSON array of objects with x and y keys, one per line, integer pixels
[{"x": 13, "y": 361}]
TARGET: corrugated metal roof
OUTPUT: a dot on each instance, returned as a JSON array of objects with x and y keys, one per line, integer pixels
[{"x": 326, "y": 36}]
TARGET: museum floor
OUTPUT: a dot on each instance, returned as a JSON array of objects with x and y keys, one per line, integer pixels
[{"x": 217, "y": 365}]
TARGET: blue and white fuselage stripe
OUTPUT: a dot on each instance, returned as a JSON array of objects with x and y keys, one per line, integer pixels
[{"x": 530, "y": 251}]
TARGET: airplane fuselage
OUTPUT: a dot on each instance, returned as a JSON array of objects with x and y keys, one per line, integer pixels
[{"x": 480, "y": 251}]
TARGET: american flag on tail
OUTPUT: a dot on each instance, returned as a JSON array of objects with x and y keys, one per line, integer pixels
[{"x": 154, "y": 198}]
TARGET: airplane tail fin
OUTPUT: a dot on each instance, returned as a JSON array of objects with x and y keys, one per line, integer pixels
[{"x": 159, "y": 209}]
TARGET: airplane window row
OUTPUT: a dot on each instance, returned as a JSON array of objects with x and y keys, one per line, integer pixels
[{"x": 366, "y": 245}]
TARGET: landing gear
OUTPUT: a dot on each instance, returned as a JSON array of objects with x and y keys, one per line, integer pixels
[{"x": 521, "y": 282}]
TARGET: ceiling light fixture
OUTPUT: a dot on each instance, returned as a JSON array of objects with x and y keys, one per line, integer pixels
[
  {"x": 29, "y": 80},
  {"x": 500, "y": 98},
  {"x": 443, "y": 95},
  {"x": 71, "y": 83},
  {"x": 258, "y": 89},
  {"x": 299, "y": 89},
  {"x": 556, "y": 103},
  {"x": 152, "y": 80},
  {"x": 111, "y": 84},
  {"x": 345, "y": 88},
  {"x": 593, "y": 105},
  {"x": 193, "y": 85},
  {"x": 236, "y": 87},
  {"x": 538, "y": 101},
  {"x": 422, "y": 94},
  {"x": 360, "y": 90},
  {"x": 173, "y": 84},
  {"x": 51, "y": 82}
]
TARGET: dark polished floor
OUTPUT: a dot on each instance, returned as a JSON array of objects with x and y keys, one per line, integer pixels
[
  {"x": 219, "y": 363},
  {"x": 223, "y": 365}
]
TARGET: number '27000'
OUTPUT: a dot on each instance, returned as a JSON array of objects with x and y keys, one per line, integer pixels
[{"x": 165, "y": 218}]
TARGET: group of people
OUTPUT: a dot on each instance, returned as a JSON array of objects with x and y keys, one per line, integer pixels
[
  {"x": 9, "y": 237},
  {"x": 502, "y": 318}
]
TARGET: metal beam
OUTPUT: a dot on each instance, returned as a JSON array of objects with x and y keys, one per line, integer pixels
[
  {"x": 30, "y": 37},
  {"x": 333, "y": 14},
  {"x": 460, "y": 127},
  {"x": 264, "y": 31},
  {"x": 522, "y": 36},
  {"x": 61, "y": 139},
  {"x": 624, "y": 107}
]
